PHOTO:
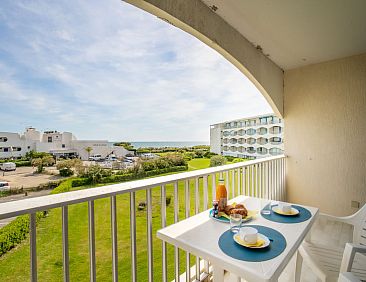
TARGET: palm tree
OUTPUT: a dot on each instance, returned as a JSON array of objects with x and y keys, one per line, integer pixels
[{"x": 88, "y": 150}]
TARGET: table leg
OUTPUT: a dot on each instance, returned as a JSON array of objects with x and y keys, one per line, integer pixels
[{"x": 217, "y": 273}]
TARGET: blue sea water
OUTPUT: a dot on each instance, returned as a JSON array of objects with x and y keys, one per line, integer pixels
[{"x": 178, "y": 144}]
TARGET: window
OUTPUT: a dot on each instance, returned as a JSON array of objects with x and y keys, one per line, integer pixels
[
  {"x": 63, "y": 145},
  {"x": 262, "y": 150},
  {"x": 275, "y": 151},
  {"x": 49, "y": 139},
  {"x": 28, "y": 147},
  {"x": 263, "y": 120},
  {"x": 262, "y": 130},
  {"x": 3, "y": 139},
  {"x": 6, "y": 149}
]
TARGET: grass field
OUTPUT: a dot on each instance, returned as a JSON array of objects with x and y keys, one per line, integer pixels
[{"x": 14, "y": 266}]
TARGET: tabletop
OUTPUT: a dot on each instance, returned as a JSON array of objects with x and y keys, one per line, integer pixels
[{"x": 199, "y": 235}]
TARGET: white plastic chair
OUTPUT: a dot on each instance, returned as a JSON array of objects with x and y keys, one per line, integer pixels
[
  {"x": 347, "y": 261},
  {"x": 326, "y": 261}
]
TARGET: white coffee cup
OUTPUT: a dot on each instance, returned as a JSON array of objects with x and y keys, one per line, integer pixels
[
  {"x": 285, "y": 207},
  {"x": 249, "y": 235}
]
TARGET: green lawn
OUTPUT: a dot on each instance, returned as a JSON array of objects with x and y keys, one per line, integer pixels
[{"x": 14, "y": 266}]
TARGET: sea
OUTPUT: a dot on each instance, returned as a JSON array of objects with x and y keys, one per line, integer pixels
[{"x": 161, "y": 144}]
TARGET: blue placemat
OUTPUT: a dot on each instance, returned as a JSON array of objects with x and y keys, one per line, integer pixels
[
  {"x": 234, "y": 250},
  {"x": 304, "y": 214}
]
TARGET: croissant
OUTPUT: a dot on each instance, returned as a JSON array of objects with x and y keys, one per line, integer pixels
[
  {"x": 228, "y": 208},
  {"x": 243, "y": 212}
]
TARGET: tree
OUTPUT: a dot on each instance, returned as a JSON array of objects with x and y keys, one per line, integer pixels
[
  {"x": 88, "y": 150},
  {"x": 40, "y": 163},
  {"x": 217, "y": 160},
  {"x": 66, "y": 167},
  {"x": 95, "y": 173}
]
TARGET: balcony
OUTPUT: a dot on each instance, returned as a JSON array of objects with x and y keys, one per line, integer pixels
[
  {"x": 275, "y": 130},
  {"x": 262, "y": 131},
  {"x": 190, "y": 193},
  {"x": 250, "y": 141},
  {"x": 276, "y": 140},
  {"x": 262, "y": 141}
]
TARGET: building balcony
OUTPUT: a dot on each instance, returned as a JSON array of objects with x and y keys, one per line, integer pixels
[{"x": 189, "y": 193}]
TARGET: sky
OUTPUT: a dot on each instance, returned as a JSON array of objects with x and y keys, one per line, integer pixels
[{"x": 108, "y": 70}]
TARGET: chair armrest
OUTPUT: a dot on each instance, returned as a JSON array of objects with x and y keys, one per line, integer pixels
[
  {"x": 345, "y": 219},
  {"x": 349, "y": 254},
  {"x": 347, "y": 277},
  {"x": 321, "y": 216}
]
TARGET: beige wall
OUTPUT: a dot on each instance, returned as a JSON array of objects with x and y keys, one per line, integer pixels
[{"x": 325, "y": 134}]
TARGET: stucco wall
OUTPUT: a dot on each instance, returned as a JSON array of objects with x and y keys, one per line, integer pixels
[
  {"x": 215, "y": 139},
  {"x": 325, "y": 115}
]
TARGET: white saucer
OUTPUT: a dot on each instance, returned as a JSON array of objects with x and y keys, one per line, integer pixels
[
  {"x": 294, "y": 211},
  {"x": 239, "y": 241}
]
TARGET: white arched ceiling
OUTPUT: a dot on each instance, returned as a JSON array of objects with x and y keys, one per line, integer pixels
[{"x": 194, "y": 17}]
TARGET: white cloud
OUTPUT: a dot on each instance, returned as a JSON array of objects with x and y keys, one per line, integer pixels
[{"x": 104, "y": 69}]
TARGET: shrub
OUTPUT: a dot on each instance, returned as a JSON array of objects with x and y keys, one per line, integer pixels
[
  {"x": 35, "y": 155},
  {"x": 162, "y": 163},
  {"x": 95, "y": 173},
  {"x": 209, "y": 155},
  {"x": 40, "y": 163},
  {"x": 66, "y": 167},
  {"x": 15, "y": 232},
  {"x": 148, "y": 165},
  {"x": 217, "y": 161},
  {"x": 189, "y": 155},
  {"x": 134, "y": 176},
  {"x": 199, "y": 154},
  {"x": 66, "y": 172},
  {"x": 238, "y": 160},
  {"x": 175, "y": 159},
  {"x": 230, "y": 158},
  {"x": 22, "y": 163},
  {"x": 77, "y": 182}
]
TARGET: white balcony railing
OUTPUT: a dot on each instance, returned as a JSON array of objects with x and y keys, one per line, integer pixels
[{"x": 260, "y": 178}]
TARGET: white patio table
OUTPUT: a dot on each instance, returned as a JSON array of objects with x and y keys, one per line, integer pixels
[{"x": 199, "y": 235}]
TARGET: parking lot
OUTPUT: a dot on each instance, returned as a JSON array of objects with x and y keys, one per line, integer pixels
[{"x": 24, "y": 177}]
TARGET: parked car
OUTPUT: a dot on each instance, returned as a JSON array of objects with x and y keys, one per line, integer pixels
[
  {"x": 96, "y": 157},
  {"x": 4, "y": 185},
  {"x": 8, "y": 166},
  {"x": 111, "y": 158}
]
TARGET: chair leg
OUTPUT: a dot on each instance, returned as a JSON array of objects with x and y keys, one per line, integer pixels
[{"x": 298, "y": 267}]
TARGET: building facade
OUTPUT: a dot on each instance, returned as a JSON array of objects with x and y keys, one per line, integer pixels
[
  {"x": 59, "y": 144},
  {"x": 250, "y": 138}
]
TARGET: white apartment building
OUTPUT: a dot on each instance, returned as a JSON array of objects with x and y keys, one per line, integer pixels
[
  {"x": 14, "y": 145},
  {"x": 251, "y": 138}
]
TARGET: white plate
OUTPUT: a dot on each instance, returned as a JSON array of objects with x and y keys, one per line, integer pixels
[
  {"x": 277, "y": 210},
  {"x": 263, "y": 237}
]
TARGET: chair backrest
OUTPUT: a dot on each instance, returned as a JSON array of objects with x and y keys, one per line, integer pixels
[{"x": 359, "y": 223}]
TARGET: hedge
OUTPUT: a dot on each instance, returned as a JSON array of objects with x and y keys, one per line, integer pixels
[
  {"x": 23, "y": 163},
  {"x": 18, "y": 163},
  {"x": 133, "y": 176},
  {"x": 16, "y": 231}
]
